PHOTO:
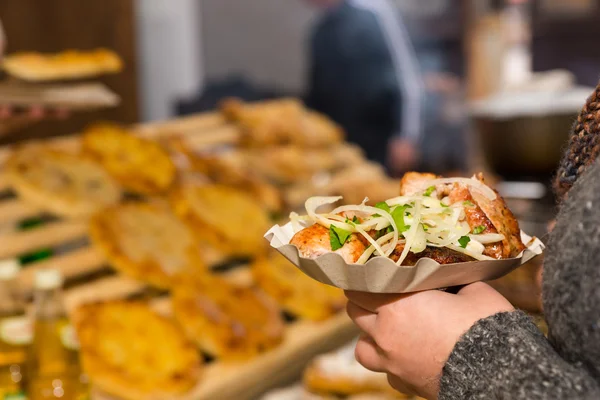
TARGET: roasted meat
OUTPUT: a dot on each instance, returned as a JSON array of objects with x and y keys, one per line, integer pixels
[
  {"x": 314, "y": 241},
  {"x": 441, "y": 255}
]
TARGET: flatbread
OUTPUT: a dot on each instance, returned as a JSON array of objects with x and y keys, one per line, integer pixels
[
  {"x": 138, "y": 164},
  {"x": 294, "y": 291},
  {"x": 147, "y": 242},
  {"x": 60, "y": 182},
  {"x": 227, "y": 219},
  {"x": 131, "y": 352},
  {"x": 227, "y": 321},
  {"x": 66, "y": 65}
]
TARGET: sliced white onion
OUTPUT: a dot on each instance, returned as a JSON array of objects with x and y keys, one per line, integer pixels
[
  {"x": 410, "y": 235},
  {"x": 420, "y": 241},
  {"x": 371, "y": 249},
  {"x": 488, "y": 238},
  {"x": 470, "y": 182},
  {"x": 476, "y": 256},
  {"x": 475, "y": 247}
]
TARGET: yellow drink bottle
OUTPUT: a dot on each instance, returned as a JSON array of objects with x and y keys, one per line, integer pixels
[
  {"x": 15, "y": 333},
  {"x": 53, "y": 367}
]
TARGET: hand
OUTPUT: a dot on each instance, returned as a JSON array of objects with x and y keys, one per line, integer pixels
[
  {"x": 410, "y": 337},
  {"x": 403, "y": 155}
]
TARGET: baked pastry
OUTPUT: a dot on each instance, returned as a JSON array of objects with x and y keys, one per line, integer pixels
[
  {"x": 138, "y": 164},
  {"x": 281, "y": 122},
  {"x": 339, "y": 373},
  {"x": 227, "y": 321},
  {"x": 227, "y": 219},
  {"x": 66, "y": 65},
  {"x": 265, "y": 123},
  {"x": 294, "y": 291},
  {"x": 130, "y": 351},
  {"x": 146, "y": 241},
  {"x": 62, "y": 183},
  {"x": 227, "y": 169}
]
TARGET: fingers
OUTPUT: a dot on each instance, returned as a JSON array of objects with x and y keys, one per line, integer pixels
[
  {"x": 368, "y": 354},
  {"x": 475, "y": 288},
  {"x": 364, "y": 319},
  {"x": 372, "y": 301}
]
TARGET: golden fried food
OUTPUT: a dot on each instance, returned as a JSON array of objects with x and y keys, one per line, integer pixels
[
  {"x": 140, "y": 165},
  {"x": 71, "y": 64},
  {"x": 294, "y": 291},
  {"x": 266, "y": 123},
  {"x": 131, "y": 352},
  {"x": 229, "y": 169},
  {"x": 338, "y": 373},
  {"x": 147, "y": 242},
  {"x": 291, "y": 164},
  {"x": 319, "y": 131},
  {"x": 314, "y": 241},
  {"x": 62, "y": 183},
  {"x": 281, "y": 122},
  {"x": 227, "y": 321},
  {"x": 228, "y": 219}
]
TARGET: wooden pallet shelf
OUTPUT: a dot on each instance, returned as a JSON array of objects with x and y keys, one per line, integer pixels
[{"x": 89, "y": 279}]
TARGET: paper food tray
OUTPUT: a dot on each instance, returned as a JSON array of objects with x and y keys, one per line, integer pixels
[{"x": 382, "y": 275}]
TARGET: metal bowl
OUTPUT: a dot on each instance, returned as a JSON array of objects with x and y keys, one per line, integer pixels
[{"x": 525, "y": 147}]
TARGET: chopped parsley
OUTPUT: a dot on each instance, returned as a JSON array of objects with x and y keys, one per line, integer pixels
[
  {"x": 354, "y": 221},
  {"x": 338, "y": 237},
  {"x": 398, "y": 215},
  {"x": 464, "y": 241},
  {"x": 429, "y": 191},
  {"x": 478, "y": 229},
  {"x": 468, "y": 203}
]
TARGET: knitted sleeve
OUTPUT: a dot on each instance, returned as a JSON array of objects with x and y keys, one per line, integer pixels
[{"x": 505, "y": 356}]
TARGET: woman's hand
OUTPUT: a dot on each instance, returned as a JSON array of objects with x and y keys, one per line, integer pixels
[{"x": 411, "y": 336}]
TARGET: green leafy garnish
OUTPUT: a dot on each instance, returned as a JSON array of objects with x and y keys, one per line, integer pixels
[
  {"x": 478, "y": 229},
  {"x": 464, "y": 241},
  {"x": 338, "y": 237},
  {"x": 468, "y": 204},
  {"x": 443, "y": 205},
  {"x": 398, "y": 215},
  {"x": 429, "y": 190},
  {"x": 425, "y": 227},
  {"x": 383, "y": 206}
]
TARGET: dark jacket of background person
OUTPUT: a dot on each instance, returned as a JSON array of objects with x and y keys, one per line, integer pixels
[
  {"x": 505, "y": 356},
  {"x": 355, "y": 76}
]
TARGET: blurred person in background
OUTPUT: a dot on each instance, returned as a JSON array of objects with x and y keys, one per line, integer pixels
[
  {"x": 364, "y": 75},
  {"x": 12, "y": 119}
]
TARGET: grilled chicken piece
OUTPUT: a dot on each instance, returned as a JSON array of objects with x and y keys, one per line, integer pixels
[
  {"x": 503, "y": 220},
  {"x": 476, "y": 217},
  {"x": 313, "y": 242},
  {"x": 441, "y": 255},
  {"x": 415, "y": 182}
]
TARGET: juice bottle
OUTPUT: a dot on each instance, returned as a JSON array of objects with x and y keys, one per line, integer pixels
[
  {"x": 53, "y": 368},
  {"x": 15, "y": 333}
]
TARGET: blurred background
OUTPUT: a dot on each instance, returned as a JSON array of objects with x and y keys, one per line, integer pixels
[{"x": 444, "y": 86}]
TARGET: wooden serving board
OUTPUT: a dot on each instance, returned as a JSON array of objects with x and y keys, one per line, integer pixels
[{"x": 89, "y": 278}]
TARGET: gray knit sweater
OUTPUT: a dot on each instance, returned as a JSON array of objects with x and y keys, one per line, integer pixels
[{"x": 505, "y": 356}]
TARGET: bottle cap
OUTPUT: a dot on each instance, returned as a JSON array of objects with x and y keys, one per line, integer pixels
[
  {"x": 9, "y": 269},
  {"x": 48, "y": 279}
]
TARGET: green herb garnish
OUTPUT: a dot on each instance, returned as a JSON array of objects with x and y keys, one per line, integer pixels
[
  {"x": 425, "y": 227},
  {"x": 429, "y": 190},
  {"x": 478, "y": 229},
  {"x": 338, "y": 237},
  {"x": 383, "y": 206},
  {"x": 464, "y": 241},
  {"x": 468, "y": 203},
  {"x": 398, "y": 215}
]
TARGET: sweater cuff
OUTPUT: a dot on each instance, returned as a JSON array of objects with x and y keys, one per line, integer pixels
[{"x": 487, "y": 349}]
